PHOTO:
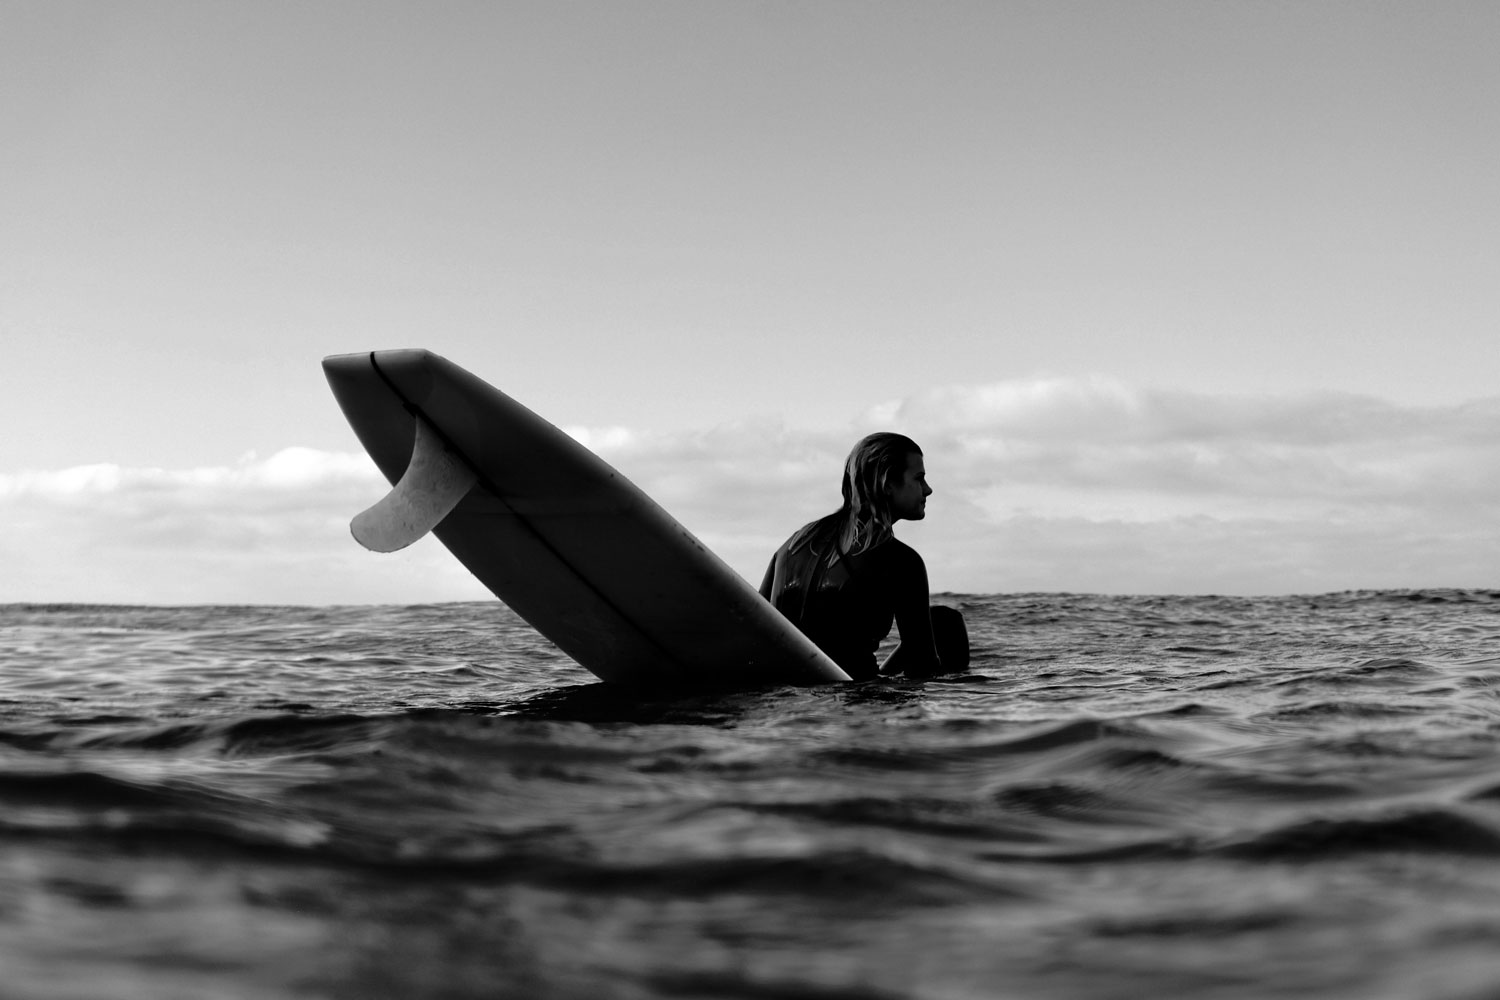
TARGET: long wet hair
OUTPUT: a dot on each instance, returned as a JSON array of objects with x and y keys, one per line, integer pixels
[{"x": 864, "y": 520}]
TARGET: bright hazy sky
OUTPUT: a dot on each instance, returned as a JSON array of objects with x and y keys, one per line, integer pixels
[{"x": 1177, "y": 296}]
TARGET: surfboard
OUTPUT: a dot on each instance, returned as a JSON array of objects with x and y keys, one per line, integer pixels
[{"x": 557, "y": 534}]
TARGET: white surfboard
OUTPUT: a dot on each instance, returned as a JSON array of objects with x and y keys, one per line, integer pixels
[{"x": 575, "y": 548}]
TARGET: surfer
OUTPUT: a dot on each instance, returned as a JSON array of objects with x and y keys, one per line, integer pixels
[{"x": 845, "y": 577}]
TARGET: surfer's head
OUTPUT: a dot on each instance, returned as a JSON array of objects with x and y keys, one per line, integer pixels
[{"x": 884, "y": 482}]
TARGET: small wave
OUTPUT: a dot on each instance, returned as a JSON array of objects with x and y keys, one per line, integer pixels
[
  {"x": 862, "y": 877},
  {"x": 1424, "y": 831},
  {"x": 1279, "y": 788},
  {"x": 1385, "y": 665},
  {"x": 1035, "y": 739},
  {"x": 1442, "y": 596},
  {"x": 1195, "y": 925},
  {"x": 1070, "y": 801},
  {"x": 81, "y": 790},
  {"x": 1346, "y": 710},
  {"x": 736, "y": 986},
  {"x": 244, "y": 736},
  {"x": 164, "y": 814}
]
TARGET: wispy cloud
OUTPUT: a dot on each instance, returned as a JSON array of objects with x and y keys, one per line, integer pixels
[
  {"x": 1061, "y": 484},
  {"x": 1091, "y": 484},
  {"x": 1077, "y": 447},
  {"x": 262, "y": 530}
]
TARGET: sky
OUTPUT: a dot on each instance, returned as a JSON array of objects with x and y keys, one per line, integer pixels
[{"x": 1177, "y": 297}]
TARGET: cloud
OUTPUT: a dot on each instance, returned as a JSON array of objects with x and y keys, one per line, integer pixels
[
  {"x": 1091, "y": 484},
  {"x": 261, "y": 530},
  {"x": 1079, "y": 445},
  {"x": 1051, "y": 484}
]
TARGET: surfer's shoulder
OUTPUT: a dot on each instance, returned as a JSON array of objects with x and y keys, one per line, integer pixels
[{"x": 898, "y": 552}]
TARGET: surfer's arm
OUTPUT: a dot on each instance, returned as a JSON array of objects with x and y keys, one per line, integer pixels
[
  {"x": 769, "y": 580},
  {"x": 917, "y": 653}
]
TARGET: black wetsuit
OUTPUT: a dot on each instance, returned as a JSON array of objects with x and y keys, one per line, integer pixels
[{"x": 847, "y": 609}]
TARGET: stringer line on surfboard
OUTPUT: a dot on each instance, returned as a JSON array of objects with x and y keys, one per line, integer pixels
[{"x": 456, "y": 454}]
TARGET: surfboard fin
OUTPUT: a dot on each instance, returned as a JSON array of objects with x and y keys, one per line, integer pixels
[{"x": 433, "y": 484}]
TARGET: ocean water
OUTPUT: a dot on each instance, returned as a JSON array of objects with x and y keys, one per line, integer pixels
[{"x": 1126, "y": 797}]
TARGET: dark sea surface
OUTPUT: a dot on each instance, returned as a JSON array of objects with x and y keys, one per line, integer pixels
[{"x": 1127, "y": 797}]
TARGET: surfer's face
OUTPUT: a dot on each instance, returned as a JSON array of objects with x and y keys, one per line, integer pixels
[{"x": 910, "y": 492}]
